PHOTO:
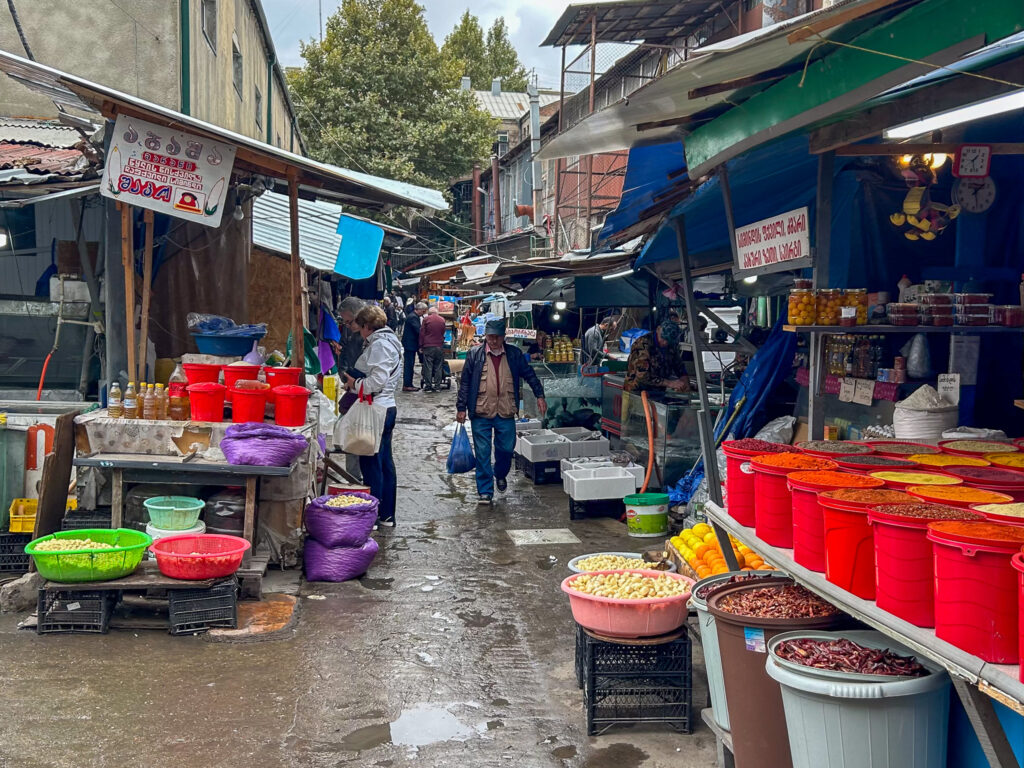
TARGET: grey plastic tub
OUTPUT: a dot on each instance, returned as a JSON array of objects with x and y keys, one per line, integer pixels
[
  {"x": 840, "y": 720},
  {"x": 709, "y": 642}
]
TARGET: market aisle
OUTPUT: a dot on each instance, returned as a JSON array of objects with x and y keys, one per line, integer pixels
[{"x": 455, "y": 649}]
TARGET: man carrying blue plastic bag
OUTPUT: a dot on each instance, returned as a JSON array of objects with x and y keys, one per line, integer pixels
[{"x": 489, "y": 393}]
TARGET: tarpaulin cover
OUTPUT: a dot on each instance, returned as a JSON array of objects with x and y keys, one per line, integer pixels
[
  {"x": 647, "y": 178},
  {"x": 359, "y": 251}
]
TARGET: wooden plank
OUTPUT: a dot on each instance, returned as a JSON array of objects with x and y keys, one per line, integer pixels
[
  {"x": 117, "y": 498},
  {"x": 876, "y": 150},
  {"x": 986, "y": 725},
  {"x": 56, "y": 477},
  {"x": 147, "y": 290},
  {"x": 249, "y": 525},
  {"x": 146, "y": 576},
  {"x": 128, "y": 262},
  {"x": 298, "y": 322},
  {"x": 132, "y": 461}
]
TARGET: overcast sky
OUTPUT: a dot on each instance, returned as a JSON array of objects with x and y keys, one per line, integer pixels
[{"x": 529, "y": 22}]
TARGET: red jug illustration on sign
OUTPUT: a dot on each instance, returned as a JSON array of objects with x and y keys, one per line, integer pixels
[{"x": 188, "y": 203}]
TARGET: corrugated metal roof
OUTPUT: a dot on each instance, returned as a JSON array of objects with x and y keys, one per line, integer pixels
[
  {"x": 631, "y": 21},
  {"x": 46, "y": 133},
  {"x": 510, "y": 105},
  {"x": 318, "y": 220},
  {"x": 42, "y": 160}
]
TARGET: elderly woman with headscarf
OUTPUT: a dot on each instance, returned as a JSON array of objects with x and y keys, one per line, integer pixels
[{"x": 655, "y": 362}]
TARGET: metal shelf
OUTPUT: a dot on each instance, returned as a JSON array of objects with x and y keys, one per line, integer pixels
[
  {"x": 998, "y": 681},
  {"x": 813, "y": 329}
]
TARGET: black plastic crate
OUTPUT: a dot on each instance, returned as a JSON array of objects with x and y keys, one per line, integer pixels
[
  {"x": 581, "y": 510},
  {"x": 197, "y": 610},
  {"x": 637, "y": 682},
  {"x": 70, "y": 611},
  {"x": 581, "y": 656},
  {"x": 77, "y": 521},
  {"x": 13, "y": 557},
  {"x": 519, "y": 462},
  {"x": 543, "y": 472}
]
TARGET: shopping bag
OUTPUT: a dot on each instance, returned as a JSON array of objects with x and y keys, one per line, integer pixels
[
  {"x": 360, "y": 430},
  {"x": 460, "y": 455}
]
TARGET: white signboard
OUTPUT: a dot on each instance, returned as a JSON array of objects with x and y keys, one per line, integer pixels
[
  {"x": 167, "y": 171},
  {"x": 521, "y": 333},
  {"x": 773, "y": 241}
]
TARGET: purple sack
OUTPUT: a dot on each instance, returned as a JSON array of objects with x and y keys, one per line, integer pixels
[
  {"x": 341, "y": 526},
  {"x": 337, "y": 563},
  {"x": 262, "y": 445}
]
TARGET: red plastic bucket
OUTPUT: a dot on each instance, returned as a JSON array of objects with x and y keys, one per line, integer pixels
[
  {"x": 933, "y": 493},
  {"x": 773, "y": 503},
  {"x": 197, "y": 373},
  {"x": 977, "y": 592},
  {"x": 808, "y": 519},
  {"x": 1018, "y": 564},
  {"x": 739, "y": 483},
  {"x": 904, "y": 566},
  {"x": 277, "y": 377},
  {"x": 902, "y": 485},
  {"x": 207, "y": 401},
  {"x": 849, "y": 464},
  {"x": 290, "y": 405},
  {"x": 949, "y": 446},
  {"x": 249, "y": 402},
  {"x": 853, "y": 449},
  {"x": 235, "y": 373},
  {"x": 849, "y": 549},
  {"x": 888, "y": 448},
  {"x": 994, "y": 516}
]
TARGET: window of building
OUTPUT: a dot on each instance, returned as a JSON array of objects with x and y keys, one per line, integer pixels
[
  {"x": 259, "y": 108},
  {"x": 236, "y": 66},
  {"x": 749, "y": 5},
  {"x": 209, "y": 10}
]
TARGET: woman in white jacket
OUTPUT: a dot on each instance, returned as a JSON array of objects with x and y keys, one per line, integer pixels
[{"x": 379, "y": 371}]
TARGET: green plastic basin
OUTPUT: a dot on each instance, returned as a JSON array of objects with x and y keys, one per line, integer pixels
[
  {"x": 79, "y": 565},
  {"x": 173, "y": 513}
]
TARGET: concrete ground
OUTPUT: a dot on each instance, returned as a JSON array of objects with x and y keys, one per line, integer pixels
[{"x": 455, "y": 649}]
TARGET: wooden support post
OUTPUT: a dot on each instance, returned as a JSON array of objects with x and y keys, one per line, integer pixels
[
  {"x": 249, "y": 522},
  {"x": 298, "y": 321},
  {"x": 986, "y": 725},
  {"x": 128, "y": 262},
  {"x": 116, "y": 498},
  {"x": 822, "y": 251},
  {"x": 147, "y": 291},
  {"x": 704, "y": 423}
]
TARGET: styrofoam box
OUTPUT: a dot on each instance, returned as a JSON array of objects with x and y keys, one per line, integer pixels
[
  {"x": 528, "y": 425},
  {"x": 572, "y": 432},
  {"x": 544, "y": 448},
  {"x": 521, "y": 435},
  {"x": 592, "y": 446},
  {"x": 600, "y": 483},
  {"x": 598, "y": 462}
]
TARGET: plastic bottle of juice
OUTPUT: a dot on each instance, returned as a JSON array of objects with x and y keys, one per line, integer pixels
[
  {"x": 178, "y": 408},
  {"x": 115, "y": 406},
  {"x": 162, "y": 404},
  {"x": 150, "y": 405},
  {"x": 131, "y": 402}
]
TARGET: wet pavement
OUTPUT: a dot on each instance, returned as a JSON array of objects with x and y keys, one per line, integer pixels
[{"x": 455, "y": 649}]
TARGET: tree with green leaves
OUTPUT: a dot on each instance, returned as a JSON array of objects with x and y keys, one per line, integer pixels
[
  {"x": 481, "y": 60},
  {"x": 377, "y": 95}
]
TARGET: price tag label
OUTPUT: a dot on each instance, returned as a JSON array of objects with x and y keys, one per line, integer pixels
[
  {"x": 847, "y": 387},
  {"x": 864, "y": 392},
  {"x": 949, "y": 387}
]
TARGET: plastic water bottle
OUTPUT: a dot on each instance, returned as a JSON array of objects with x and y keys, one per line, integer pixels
[
  {"x": 115, "y": 407},
  {"x": 162, "y": 403},
  {"x": 131, "y": 402},
  {"x": 151, "y": 405}
]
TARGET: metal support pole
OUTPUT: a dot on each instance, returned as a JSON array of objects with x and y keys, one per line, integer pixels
[
  {"x": 707, "y": 435},
  {"x": 986, "y": 725},
  {"x": 128, "y": 264},
  {"x": 496, "y": 191},
  {"x": 298, "y": 321},
  {"x": 590, "y": 158},
  {"x": 476, "y": 204},
  {"x": 730, "y": 220},
  {"x": 822, "y": 254},
  {"x": 559, "y": 163}
]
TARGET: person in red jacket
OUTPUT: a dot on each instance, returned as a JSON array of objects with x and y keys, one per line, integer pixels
[{"x": 432, "y": 348}]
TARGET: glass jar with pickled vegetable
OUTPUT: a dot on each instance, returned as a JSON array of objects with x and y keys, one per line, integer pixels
[
  {"x": 858, "y": 299},
  {"x": 801, "y": 306},
  {"x": 830, "y": 301}
]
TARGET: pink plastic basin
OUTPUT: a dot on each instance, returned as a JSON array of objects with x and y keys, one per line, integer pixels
[{"x": 629, "y": 618}]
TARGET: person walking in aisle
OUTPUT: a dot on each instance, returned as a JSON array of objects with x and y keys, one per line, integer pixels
[
  {"x": 432, "y": 330},
  {"x": 380, "y": 365},
  {"x": 411, "y": 344},
  {"x": 489, "y": 396}
]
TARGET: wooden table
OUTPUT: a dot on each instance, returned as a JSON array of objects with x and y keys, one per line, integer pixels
[
  {"x": 146, "y": 576},
  {"x": 140, "y": 468}
]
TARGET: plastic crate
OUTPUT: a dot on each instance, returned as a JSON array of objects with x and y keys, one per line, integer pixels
[
  {"x": 77, "y": 521},
  {"x": 25, "y": 520},
  {"x": 581, "y": 656},
  {"x": 581, "y": 510},
  {"x": 13, "y": 557},
  {"x": 542, "y": 472},
  {"x": 631, "y": 683},
  {"x": 197, "y": 610},
  {"x": 73, "y": 611}
]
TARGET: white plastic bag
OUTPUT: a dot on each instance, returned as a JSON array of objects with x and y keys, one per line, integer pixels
[
  {"x": 360, "y": 430},
  {"x": 924, "y": 416}
]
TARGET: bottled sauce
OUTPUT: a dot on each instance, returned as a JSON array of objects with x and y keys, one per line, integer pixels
[
  {"x": 131, "y": 401},
  {"x": 151, "y": 404},
  {"x": 115, "y": 404},
  {"x": 161, "y": 402},
  {"x": 178, "y": 406}
]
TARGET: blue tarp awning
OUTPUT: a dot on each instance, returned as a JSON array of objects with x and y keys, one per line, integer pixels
[{"x": 653, "y": 174}]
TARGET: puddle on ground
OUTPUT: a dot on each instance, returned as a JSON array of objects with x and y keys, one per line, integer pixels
[
  {"x": 564, "y": 753},
  {"x": 493, "y": 725},
  {"x": 423, "y": 725},
  {"x": 367, "y": 737},
  {"x": 475, "y": 619},
  {"x": 616, "y": 756},
  {"x": 546, "y": 563},
  {"x": 376, "y": 584}
]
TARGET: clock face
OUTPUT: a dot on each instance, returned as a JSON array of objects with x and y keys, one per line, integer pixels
[
  {"x": 975, "y": 195},
  {"x": 972, "y": 160}
]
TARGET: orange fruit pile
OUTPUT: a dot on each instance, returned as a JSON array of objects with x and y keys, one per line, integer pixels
[{"x": 701, "y": 550}]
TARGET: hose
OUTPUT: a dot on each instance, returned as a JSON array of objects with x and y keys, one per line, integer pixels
[{"x": 650, "y": 441}]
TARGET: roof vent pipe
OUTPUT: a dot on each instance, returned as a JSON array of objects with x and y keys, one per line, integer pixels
[
  {"x": 466, "y": 85},
  {"x": 496, "y": 87}
]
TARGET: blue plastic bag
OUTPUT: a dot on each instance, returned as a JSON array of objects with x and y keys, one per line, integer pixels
[{"x": 460, "y": 456}]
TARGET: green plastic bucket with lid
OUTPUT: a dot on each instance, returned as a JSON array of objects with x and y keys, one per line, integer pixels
[{"x": 647, "y": 515}]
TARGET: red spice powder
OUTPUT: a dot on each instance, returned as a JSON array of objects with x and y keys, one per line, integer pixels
[
  {"x": 1010, "y": 534},
  {"x": 793, "y": 461},
  {"x": 831, "y": 479},
  {"x": 869, "y": 496}
]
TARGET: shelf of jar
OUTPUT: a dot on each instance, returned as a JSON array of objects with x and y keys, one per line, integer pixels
[{"x": 901, "y": 329}]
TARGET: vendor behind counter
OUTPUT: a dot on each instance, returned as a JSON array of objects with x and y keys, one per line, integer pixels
[{"x": 656, "y": 363}]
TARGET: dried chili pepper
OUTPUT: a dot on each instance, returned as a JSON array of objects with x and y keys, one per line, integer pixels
[
  {"x": 790, "y": 601},
  {"x": 843, "y": 655}
]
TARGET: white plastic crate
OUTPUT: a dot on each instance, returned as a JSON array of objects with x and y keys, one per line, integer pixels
[
  {"x": 588, "y": 445},
  {"x": 572, "y": 432},
  {"x": 600, "y": 483},
  {"x": 528, "y": 433},
  {"x": 599, "y": 462},
  {"x": 537, "y": 448},
  {"x": 527, "y": 425}
]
